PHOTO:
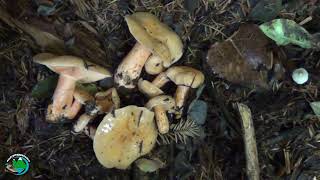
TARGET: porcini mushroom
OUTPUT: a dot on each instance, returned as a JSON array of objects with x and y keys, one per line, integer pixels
[
  {"x": 153, "y": 37},
  {"x": 161, "y": 104},
  {"x": 124, "y": 135},
  {"x": 71, "y": 70},
  {"x": 104, "y": 102},
  {"x": 184, "y": 77},
  {"x": 148, "y": 88}
]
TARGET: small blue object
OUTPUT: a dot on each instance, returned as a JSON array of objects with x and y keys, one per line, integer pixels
[{"x": 300, "y": 76}]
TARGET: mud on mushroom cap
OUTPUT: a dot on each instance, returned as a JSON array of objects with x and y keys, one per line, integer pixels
[{"x": 124, "y": 135}]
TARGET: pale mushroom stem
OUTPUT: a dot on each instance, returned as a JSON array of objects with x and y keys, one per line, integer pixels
[
  {"x": 180, "y": 97},
  {"x": 82, "y": 122},
  {"x": 90, "y": 131},
  {"x": 62, "y": 97},
  {"x": 73, "y": 110},
  {"x": 161, "y": 119},
  {"x": 161, "y": 80},
  {"x": 131, "y": 66}
]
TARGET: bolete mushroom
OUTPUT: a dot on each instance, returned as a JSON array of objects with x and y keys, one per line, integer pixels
[
  {"x": 185, "y": 78},
  {"x": 124, "y": 135},
  {"x": 104, "y": 102},
  {"x": 153, "y": 37},
  {"x": 148, "y": 88},
  {"x": 161, "y": 104},
  {"x": 71, "y": 70}
]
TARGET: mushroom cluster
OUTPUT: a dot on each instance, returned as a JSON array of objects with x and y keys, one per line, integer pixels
[{"x": 125, "y": 133}]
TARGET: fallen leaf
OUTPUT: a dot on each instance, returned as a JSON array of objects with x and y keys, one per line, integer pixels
[
  {"x": 198, "y": 111},
  {"x": 148, "y": 165},
  {"x": 266, "y": 10},
  {"x": 44, "y": 89},
  {"x": 243, "y": 58},
  {"x": 191, "y": 5},
  {"x": 285, "y": 31},
  {"x": 315, "y": 107}
]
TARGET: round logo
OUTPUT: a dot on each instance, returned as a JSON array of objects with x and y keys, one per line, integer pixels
[{"x": 18, "y": 164}]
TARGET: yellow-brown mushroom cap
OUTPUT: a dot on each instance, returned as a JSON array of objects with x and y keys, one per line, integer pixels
[
  {"x": 148, "y": 88},
  {"x": 155, "y": 35},
  {"x": 73, "y": 67},
  {"x": 124, "y": 135},
  {"x": 185, "y": 76},
  {"x": 165, "y": 101}
]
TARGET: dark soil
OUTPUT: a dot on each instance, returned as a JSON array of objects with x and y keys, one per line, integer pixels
[{"x": 287, "y": 131}]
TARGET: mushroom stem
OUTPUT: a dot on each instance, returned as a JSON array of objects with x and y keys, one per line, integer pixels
[
  {"x": 82, "y": 122},
  {"x": 90, "y": 131},
  {"x": 161, "y": 80},
  {"x": 62, "y": 97},
  {"x": 161, "y": 119},
  {"x": 180, "y": 97},
  {"x": 73, "y": 110},
  {"x": 131, "y": 66}
]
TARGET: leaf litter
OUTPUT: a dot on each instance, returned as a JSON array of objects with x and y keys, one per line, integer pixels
[{"x": 287, "y": 132}]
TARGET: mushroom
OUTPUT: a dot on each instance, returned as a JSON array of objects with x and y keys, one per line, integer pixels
[
  {"x": 185, "y": 78},
  {"x": 71, "y": 70},
  {"x": 300, "y": 75},
  {"x": 153, "y": 37},
  {"x": 104, "y": 102},
  {"x": 124, "y": 135},
  {"x": 161, "y": 104},
  {"x": 148, "y": 88}
]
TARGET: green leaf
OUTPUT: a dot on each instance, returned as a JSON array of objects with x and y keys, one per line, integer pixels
[
  {"x": 148, "y": 165},
  {"x": 199, "y": 91},
  {"x": 315, "y": 107},
  {"x": 266, "y": 10},
  {"x": 45, "y": 88},
  {"x": 90, "y": 88},
  {"x": 198, "y": 111},
  {"x": 285, "y": 31}
]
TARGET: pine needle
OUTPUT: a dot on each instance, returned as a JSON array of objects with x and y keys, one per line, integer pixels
[{"x": 180, "y": 132}]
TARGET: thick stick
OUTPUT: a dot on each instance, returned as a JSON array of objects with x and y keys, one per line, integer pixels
[{"x": 249, "y": 139}]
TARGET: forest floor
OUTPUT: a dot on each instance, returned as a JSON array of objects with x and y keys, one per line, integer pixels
[{"x": 287, "y": 131}]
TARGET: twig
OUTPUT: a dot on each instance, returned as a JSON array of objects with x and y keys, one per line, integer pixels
[{"x": 249, "y": 139}]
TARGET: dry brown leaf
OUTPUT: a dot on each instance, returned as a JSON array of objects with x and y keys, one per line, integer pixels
[{"x": 243, "y": 58}]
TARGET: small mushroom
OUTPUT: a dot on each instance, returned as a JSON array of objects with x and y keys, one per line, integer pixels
[
  {"x": 153, "y": 37},
  {"x": 124, "y": 135},
  {"x": 71, "y": 70},
  {"x": 161, "y": 104},
  {"x": 300, "y": 75},
  {"x": 104, "y": 102},
  {"x": 184, "y": 77},
  {"x": 148, "y": 88}
]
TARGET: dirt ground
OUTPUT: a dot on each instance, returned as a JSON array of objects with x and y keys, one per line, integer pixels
[{"x": 287, "y": 131}]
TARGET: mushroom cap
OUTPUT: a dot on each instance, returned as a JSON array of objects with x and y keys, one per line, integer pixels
[
  {"x": 165, "y": 101},
  {"x": 153, "y": 65},
  {"x": 73, "y": 67},
  {"x": 124, "y": 135},
  {"x": 155, "y": 35},
  {"x": 148, "y": 88},
  {"x": 185, "y": 76},
  {"x": 300, "y": 75}
]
